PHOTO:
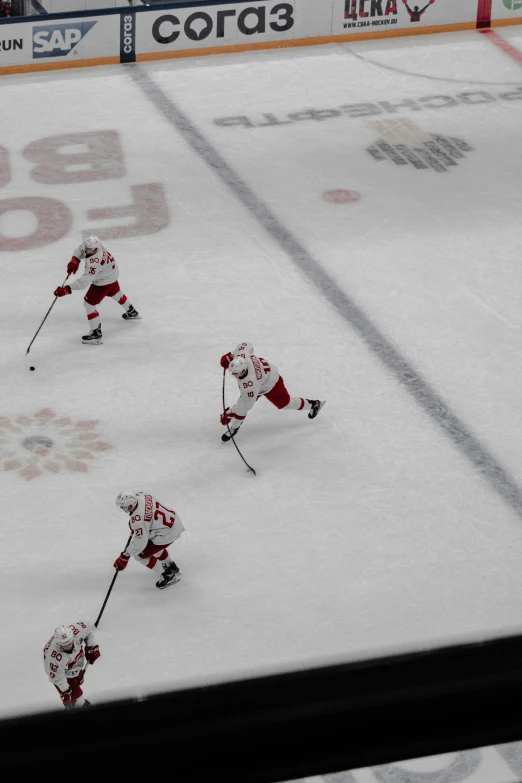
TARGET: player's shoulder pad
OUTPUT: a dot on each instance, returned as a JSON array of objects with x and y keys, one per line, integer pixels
[{"x": 244, "y": 348}]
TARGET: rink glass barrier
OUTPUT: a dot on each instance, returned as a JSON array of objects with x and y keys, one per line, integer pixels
[
  {"x": 365, "y": 715},
  {"x": 75, "y": 33}
]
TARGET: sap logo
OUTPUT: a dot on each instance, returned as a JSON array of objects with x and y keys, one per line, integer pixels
[{"x": 58, "y": 40}]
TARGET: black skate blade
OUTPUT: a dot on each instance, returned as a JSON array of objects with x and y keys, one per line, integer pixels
[
  {"x": 172, "y": 582},
  {"x": 228, "y": 436}
]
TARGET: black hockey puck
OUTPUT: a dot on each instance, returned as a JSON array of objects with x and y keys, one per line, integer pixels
[{"x": 32, "y": 368}]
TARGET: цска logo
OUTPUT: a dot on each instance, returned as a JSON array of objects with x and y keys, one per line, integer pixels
[
  {"x": 57, "y": 40},
  {"x": 366, "y": 10}
]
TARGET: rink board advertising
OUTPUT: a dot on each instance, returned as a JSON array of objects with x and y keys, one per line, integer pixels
[
  {"x": 507, "y": 10},
  {"x": 60, "y": 41},
  {"x": 375, "y": 15},
  {"x": 213, "y": 26},
  {"x": 146, "y": 33}
]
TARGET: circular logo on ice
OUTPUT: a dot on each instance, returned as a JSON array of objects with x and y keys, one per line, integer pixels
[
  {"x": 33, "y": 445},
  {"x": 513, "y": 5}
]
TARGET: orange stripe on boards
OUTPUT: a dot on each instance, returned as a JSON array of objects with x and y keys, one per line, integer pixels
[
  {"x": 318, "y": 41},
  {"x": 505, "y": 22},
  {"x": 59, "y": 66}
]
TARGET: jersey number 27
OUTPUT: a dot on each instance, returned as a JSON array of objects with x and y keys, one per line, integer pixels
[{"x": 168, "y": 518}]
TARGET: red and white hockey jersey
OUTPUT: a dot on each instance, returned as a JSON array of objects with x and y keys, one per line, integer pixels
[
  {"x": 100, "y": 268},
  {"x": 60, "y": 665},
  {"x": 152, "y": 522},
  {"x": 260, "y": 379}
]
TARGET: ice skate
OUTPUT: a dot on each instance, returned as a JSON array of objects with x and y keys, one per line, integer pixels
[
  {"x": 228, "y": 435},
  {"x": 169, "y": 577},
  {"x": 93, "y": 338},
  {"x": 131, "y": 314},
  {"x": 316, "y": 407}
]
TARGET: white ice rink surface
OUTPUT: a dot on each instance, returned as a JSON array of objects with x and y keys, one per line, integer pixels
[{"x": 391, "y": 522}]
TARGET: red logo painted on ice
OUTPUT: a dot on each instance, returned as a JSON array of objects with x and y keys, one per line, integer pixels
[{"x": 44, "y": 443}]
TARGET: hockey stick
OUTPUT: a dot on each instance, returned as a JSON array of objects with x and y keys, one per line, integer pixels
[
  {"x": 47, "y": 313},
  {"x": 250, "y": 468},
  {"x": 99, "y": 616},
  {"x": 112, "y": 585},
  {"x": 78, "y": 684}
]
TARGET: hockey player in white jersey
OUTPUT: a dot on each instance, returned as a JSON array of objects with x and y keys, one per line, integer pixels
[
  {"x": 66, "y": 655},
  {"x": 154, "y": 528},
  {"x": 101, "y": 275},
  {"x": 258, "y": 378}
]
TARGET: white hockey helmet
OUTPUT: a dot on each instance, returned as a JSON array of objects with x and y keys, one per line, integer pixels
[
  {"x": 91, "y": 243},
  {"x": 127, "y": 501},
  {"x": 64, "y": 636},
  {"x": 238, "y": 366}
]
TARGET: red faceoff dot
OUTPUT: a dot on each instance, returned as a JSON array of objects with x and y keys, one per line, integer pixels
[{"x": 341, "y": 196}]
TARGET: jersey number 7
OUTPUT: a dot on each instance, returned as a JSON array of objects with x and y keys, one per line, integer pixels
[{"x": 168, "y": 518}]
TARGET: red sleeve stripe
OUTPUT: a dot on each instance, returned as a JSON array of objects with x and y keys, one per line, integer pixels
[{"x": 235, "y": 416}]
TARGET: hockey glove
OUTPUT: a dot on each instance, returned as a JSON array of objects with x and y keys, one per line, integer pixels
[
  {"x": 67, "y": 698},
  {"x": 62, "y": 290},
  {"x": 225, "y": 418},
  {"x": 72, "y": 266},
  {"x": 225, "y": 360},
  {"x": 92, "y": 654},
  {"x": 121, "y": 562}
]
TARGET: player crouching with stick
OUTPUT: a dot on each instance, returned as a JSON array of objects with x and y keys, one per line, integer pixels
[{"x": 66, "y": 656}]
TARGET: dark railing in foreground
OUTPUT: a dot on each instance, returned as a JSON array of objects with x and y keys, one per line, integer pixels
[
  {"x": 287, "y": 726},
  {"x": 13, "y": 8}
]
